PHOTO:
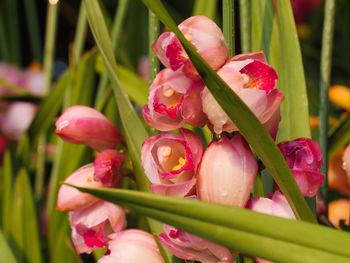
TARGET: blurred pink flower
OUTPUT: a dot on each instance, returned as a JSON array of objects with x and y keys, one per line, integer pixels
[
  {"x": 304, "y": 158},
  {"x": 10, "y": 74},
  {"x": 227, "y": 172},
  {"x": 91, "y": 225},
  {"x": 3, "y": 146},
  {"x": 104, "y": 172},
  {"x": 85, "y": 125},
  {"x": 206, "y": 37},
  {"x": 170, "y": 161},
  {"x": 173, "y": 101},
  {"x": 33, "y": 81},
  {"x": 254, "y": 81},
  {"x": 132, "y": 246},
  {"x": 16, "y": 119},
  {"x": 190, "y": 247}
]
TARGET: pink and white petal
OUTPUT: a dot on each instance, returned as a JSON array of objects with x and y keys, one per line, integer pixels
[
  {"x": 194, "y": 142},
  {"x": 260, "y": 204},
  {"x": 309, "y": 182},
  {"x": 179, "y": 189},
  {"x": 272, "y": 124},
  {"x": 116, "y": 216},
  {"x": 70, "y": 198},
  {"x": 148, "y": 163},
  {"x": 161, "y": 122},
  {"x": 159, "y": 47},
  {"x": 280, "y": 206},
  {"x": 259, "y": 55},
  {"x": 91, "y": 216},
  {"x": 192, "y": 111}
]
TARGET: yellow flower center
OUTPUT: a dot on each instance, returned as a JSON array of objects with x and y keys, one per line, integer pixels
[{"x": 179, "y": 165}]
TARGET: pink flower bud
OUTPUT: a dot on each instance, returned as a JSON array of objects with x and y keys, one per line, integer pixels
[
  {"x": 132, "y": 246},
  {"x": 108, "y": 168},
  {"x": 277, "y": 206},
  {"x": 170, "y": 161},
  {"x": 254, "y": 82},
  {"x": 104, "y": 172},
  {"x": 227, "y": 172},
  {"x": 85, "y": 125},
  {"x": 174, "y": 101},
  {"x": 12, "y": 75},
  {"x": 304, "y": 158},
  {"x": 190, "y": 247},
  {"x": 70, "y": 198},
  {"x": 206, "y": 37},
  {"x": 90, "y": 226}
]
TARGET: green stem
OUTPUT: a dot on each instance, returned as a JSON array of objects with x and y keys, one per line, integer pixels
[
  {"x": 4, "y": 50},
  {"x": 229, "y": 24},
  {"x": 13, "y": 31},
  {"x": 49, "y": 51},
  {"x": 34, "y": 29},
  {"x": 80, "y": 35},
  {"x": 115, "y": 32},
  {"x": 153, "y": 34},
  {"x": 326, "y": 62},
  {"x": 245, "y": 25}
]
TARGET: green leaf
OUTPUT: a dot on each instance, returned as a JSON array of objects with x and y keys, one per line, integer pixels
[
  {"x": 339, "y": 136},
  {"x": 205, "y": 8},
  {"x": 246, "y": 121},
  {"x": 261, "y": 235},
  {"x": 84, "y": 80},
  {"x": 7, "y": 183},
  {"x": 5, "y": 251},
  {"x": 24, "y": 232},
  {"x": 295, "y": 121},
  {"x": 134, "y": 86},
  {"x": 48, "y": 108}
]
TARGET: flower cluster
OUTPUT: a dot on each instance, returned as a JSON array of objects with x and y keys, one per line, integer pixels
[
  {"x": 225, "y": 171},
  {"x": 92, "y": 220},
  {"x": 177, "y": 163}
]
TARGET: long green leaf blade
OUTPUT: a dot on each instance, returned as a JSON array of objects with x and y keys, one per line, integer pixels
[
  {"x": 295, "y": 121},
  {"x": 237, "y": 228},
  {"x": 245, "y": 120},
  {"x": 5, "y": 251},
  {"x": 24, "y": 231}
]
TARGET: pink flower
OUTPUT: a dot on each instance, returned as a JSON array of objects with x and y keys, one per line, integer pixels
[
  {"x": 33, "y": 81},
  {"x": 277, "y": 206},
  {"x": 190, "y": 247},
  {"x": 108, "y": 168},
  {"x": 254, "y": 82},
  {"x": 104, "y": 172},
  {"x": 227, "y": 172},
  {"x": 170, "y": 161},
  {"x": 304, "y": 158},
  {"x": 206, "y": 37},
  {"x": 91, "y": 225},
  {"x": 346, "y": 161},
  {"x": 85, "y": 125},
  {"x": 17, "y": 118},
  {"x": 174, "y": 101},
  {"x": 132, "y": 246}
]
